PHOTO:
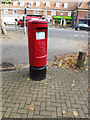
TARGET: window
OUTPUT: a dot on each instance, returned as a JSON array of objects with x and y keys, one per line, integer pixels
[
  {"x": 14, "y": 11},
  {"x": 69, "y": 13},
  {"x": 45, "y": 12},
  {"x": 47, "y": 4},
  {"x": 30, "y": 3},
  {"x": 57, "y": 5},
  {"x": 5, "y": 11},
  {"x": 14, "y": 3},
  {"x": 38, "y": 3},
  {"x": 21, "y": 3},
  {"x": 36, "y": 12},
  {"x": 89, "y": 4},
  {"x": 65, "y": 5},
  {"x": 53, "y": 12},
  {"x": 61, "y": 13},
  {"x": 85, "y": 25},
  {"x": 69, "y": 23}
]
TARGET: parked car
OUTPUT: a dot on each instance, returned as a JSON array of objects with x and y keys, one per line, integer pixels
[
  {"x": 21, "y": 23},
  {"x": 82, "y": 27}
]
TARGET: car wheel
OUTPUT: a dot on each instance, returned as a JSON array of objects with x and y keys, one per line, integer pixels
[
  {"x": 87, "y": 29},
  {"x": 78, "y": 29},
  {"x": 5, "y": 23}
]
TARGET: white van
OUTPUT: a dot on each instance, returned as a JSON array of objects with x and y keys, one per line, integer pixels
[{"x": 9, "y": 20}]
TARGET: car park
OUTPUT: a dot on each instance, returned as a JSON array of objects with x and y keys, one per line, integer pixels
[{"x": 82, "y": 27}]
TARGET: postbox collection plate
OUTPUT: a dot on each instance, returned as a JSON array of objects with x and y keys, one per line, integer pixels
[{"x": 41, "y": 48}]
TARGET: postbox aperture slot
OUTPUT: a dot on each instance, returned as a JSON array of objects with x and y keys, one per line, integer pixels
[{"x": 41, "y": 28}]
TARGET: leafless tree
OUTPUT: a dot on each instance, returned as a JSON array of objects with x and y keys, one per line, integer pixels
[{"x": 2, "y": 26}]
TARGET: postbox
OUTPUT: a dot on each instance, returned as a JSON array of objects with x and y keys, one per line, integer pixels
[{"x": 37, "y": 44}]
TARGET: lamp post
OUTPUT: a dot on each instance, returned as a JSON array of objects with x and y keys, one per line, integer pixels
[{"x": 25, "y": 12}]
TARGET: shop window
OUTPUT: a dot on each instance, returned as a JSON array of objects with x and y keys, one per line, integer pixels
[
  {"x": 21, "y": 3},
  {"x": 14, "y": 3},
  {"x": 81, "y": 22},
  {"x": 65, "y": 5},
  {"x": 37, "y": 3},
  {"x": 47, "y": 4},
  {"x": 57, "y": 19},
  {"x": 57, "y": 5},
  {"x": 68, "y": 20},
  {"x": 5, "y": 11},
  {"x": 69, "y": 23}
]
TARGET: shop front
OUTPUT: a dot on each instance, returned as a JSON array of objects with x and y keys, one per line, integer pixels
[{"x": 62, "y": 21}]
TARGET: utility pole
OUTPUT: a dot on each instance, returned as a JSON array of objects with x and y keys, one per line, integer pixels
[{"x": 25, "y": 11}]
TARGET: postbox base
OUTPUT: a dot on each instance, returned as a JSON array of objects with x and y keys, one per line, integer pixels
[{"x": 37, "y": 73}]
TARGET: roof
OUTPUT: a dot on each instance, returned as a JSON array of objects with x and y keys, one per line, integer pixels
[
  {"x": 54, "y": 0},
  {"x": 84, "y": 5}
]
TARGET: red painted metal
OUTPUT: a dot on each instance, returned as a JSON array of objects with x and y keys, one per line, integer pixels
[
  {"x": 79, "y": 57},
  {"x": 37, "y": 47}
]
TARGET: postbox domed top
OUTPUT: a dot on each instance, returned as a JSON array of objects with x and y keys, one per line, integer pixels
[{"x": 38, "y": 21}]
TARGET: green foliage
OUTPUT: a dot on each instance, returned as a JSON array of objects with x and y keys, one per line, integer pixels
[{"x": 8, "y": 1}]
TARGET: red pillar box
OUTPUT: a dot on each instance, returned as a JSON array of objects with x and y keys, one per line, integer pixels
[{"x": 37, "y": 43}]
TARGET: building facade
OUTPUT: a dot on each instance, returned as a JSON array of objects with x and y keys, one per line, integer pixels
[
  {"x": 82, "y": 14},
  {"x": 55, "y": 12}
]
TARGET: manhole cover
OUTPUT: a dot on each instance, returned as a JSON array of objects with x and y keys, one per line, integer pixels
[{"x": 7, "y": 66}]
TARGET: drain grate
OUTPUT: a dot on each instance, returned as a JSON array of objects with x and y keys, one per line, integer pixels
[{"x": 7, "y": 66}]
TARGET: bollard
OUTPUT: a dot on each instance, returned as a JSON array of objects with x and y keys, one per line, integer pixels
[{"x": 81, "y": 59}]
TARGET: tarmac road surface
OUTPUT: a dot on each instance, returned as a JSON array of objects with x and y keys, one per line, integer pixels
[{"x": 60, "y": 41}]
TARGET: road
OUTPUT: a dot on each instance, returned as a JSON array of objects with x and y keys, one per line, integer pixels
[
  {"x": 63, "y": 41},
  {"x": 60, "y": 41}
]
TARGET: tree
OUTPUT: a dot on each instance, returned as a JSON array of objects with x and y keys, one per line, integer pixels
[{"x": 2, "y": 26}]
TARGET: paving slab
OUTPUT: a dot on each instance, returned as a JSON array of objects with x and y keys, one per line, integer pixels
[{"x": 48, "y": 98}]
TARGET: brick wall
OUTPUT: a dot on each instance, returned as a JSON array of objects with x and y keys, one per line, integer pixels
[
  {"x": 82, "y": 14},
  {"x": 71, "y": 6},
  {"x": 20, "y": 11},
  {"x": 60, "y": 13},
  {"x": 30, "y": 12}
]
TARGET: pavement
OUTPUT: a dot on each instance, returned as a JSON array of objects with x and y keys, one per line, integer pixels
[{"x": 63, "y": 94}]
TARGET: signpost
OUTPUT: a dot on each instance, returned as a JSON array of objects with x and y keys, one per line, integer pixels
[{"x": 25, "y": 12}]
